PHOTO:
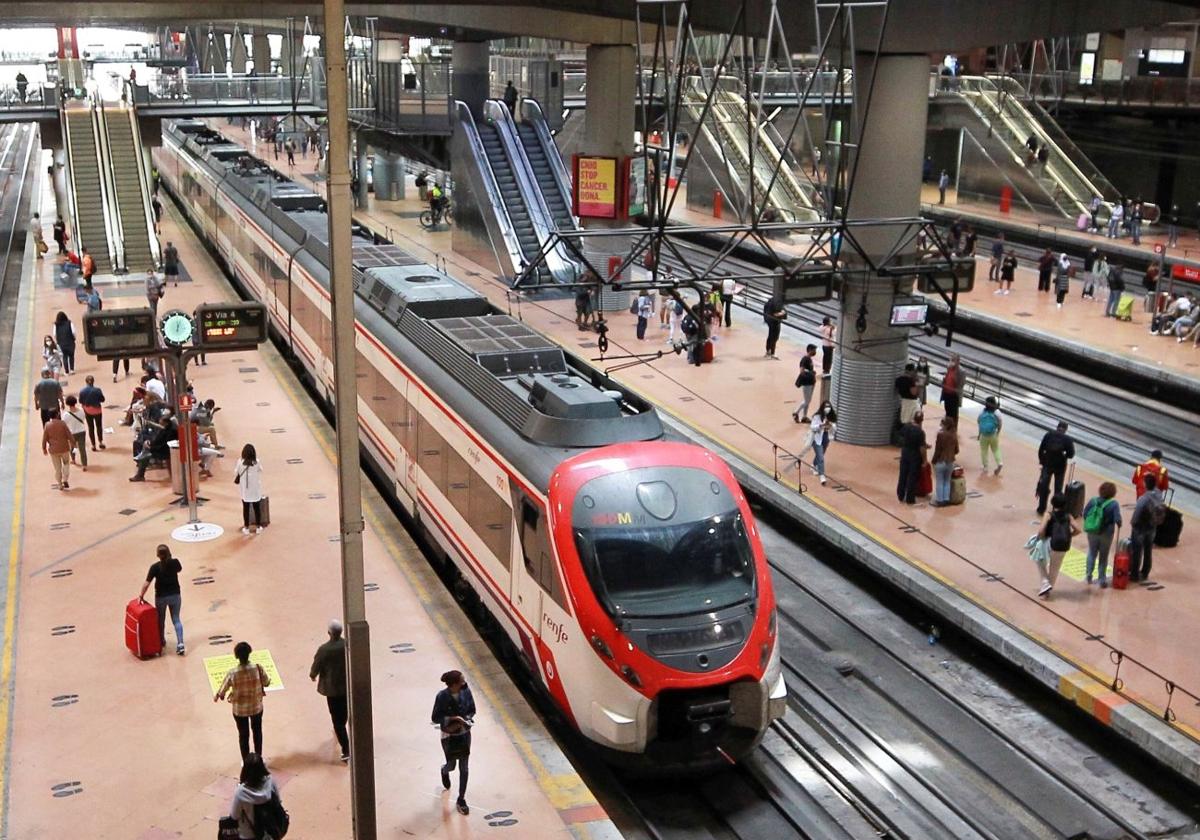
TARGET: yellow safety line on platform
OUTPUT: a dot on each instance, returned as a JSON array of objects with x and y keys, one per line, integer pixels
[
  {"x": 14, "y": 562},
  {"x": 563, "y": 790}
]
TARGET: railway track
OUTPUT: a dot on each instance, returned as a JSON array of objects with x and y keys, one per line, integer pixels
[{"x": 17, "y": 145}]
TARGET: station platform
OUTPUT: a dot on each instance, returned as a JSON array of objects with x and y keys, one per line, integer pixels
[
  {"x": 103, "y": 745},
  {"x": 743, "y": 403}
]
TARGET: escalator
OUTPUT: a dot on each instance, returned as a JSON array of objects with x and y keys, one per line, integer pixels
[
  {"x": 547, "y": 165},
  {"x": 131, "y": 188},
  {"x": 504, "y": 172},
  {"x": 83, "y": 162}
]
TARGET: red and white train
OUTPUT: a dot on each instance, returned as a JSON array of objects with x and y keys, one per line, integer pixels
[{"x": 626, "y": 568}]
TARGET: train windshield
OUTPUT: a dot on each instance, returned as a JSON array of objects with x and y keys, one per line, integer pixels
[{"x": 659, "y": 542}]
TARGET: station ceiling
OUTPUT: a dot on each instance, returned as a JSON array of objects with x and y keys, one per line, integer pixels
[{"x": 917, "y": 26}]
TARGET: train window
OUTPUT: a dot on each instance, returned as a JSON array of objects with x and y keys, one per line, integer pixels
[
  {"x": 431, "y": 453},
  {"x": 491, "y": 519},
  {"x": 458, "y": 482},
  {"x": 535, "y": 549}
]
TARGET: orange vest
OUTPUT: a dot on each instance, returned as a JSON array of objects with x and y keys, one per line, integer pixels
[{"x": 1151, "y": 467}]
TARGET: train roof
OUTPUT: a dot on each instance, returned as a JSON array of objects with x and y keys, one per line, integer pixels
[{"x": 518, "y": 374}]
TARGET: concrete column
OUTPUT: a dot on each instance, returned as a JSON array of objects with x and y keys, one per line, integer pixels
[
  {"x": 237, "y": 53},
  {"x": 608, "y": 132},
  {"x": 887, "y": 185},
  {"x": 401, "y": 176},
  {"x": 469, "y": 59},
  {"x": 384, "y": 175},
  {"x": 360, "y": 169},
  {"x": 260, "y": 49}
]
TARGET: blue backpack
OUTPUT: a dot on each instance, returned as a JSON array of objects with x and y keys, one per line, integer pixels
[{"x": 988, "y": 423}]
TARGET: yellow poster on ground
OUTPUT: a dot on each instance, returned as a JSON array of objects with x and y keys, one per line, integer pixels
[{"x": 218, "y": 666}]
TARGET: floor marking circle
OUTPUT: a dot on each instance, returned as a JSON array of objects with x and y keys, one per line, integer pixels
[{"x": 196, "y": 532}]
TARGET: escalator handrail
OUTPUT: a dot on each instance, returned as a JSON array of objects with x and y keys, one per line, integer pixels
[
  {"x": 108, "y": 187},
  {"x": 70, "y": 176},
  {"x": 130, "y": 113},
  {"x": 531, "y": 192},
  {"x": 508, "y": 231},
  {"x": 532, "y": 113}
]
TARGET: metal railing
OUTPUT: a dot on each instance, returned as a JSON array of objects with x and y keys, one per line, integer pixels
[
  {"x": 416, "y": 100},
  {"x": 108, "y": 186},
  {"x": 1065, "y": 86},
  {"x": 219, "y": 88}
]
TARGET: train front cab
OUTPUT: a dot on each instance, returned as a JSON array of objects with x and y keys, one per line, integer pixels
[{"x": 673, "y": 596}]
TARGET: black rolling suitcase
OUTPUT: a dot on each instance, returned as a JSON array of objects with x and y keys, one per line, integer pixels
[
  {"x": 1076, "y": 493},
  {"x": 1166, "y": 535}
]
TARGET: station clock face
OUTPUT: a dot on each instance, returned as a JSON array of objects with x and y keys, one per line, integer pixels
[{"x": 177, "y": 328}]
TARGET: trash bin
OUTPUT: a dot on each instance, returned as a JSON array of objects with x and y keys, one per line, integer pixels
[{"x": 177, "y": 469}]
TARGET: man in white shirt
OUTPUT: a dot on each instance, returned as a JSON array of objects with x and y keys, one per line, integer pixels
[
  {"x": 728, "y": 287},
  {"x": 156, "y": 387}
]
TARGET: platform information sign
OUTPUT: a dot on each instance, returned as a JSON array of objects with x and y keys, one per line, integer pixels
[
  {"x": 120, "y": 332},
  {"x": 218, "y": 666},
  {"x": 596, "y": 187},
  {"x": 230, "y": 325},
  {"x": 635, "y": 186}
]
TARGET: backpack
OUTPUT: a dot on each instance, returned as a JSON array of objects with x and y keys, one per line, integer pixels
[
  {"x": 633, "y": 307},
  {"x": 679, "y": 308},
  {"x": 1157, "y": 514},
  {"x": 1060, "y": 532},
  {"x": 988, "y": 423},
  {"x": 1093, "y": 517},
  {"x": 768, "y": 310},
  {"x": 270, "y": 819}
]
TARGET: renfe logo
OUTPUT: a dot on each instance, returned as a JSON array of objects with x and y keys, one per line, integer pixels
[
  {"x": 556, "y": 627},
  {"x": 617, "y": 518}
]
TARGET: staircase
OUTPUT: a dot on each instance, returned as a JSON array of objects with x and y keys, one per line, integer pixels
[
  {"x": 133, "y": 206},
  {"x": 84, "y": 163},
  {"x": 514, "y": 200}
]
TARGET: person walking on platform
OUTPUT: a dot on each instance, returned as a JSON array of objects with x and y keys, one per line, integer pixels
[
  {"x": 87, "y": 265},
  {"x": 645, "y": 309},
  {"x": 92, "y": 400},
  {"x": 1148, "y": 514},
  {"x": 945, "y": 451},
  {"x": 164, "y": 572},
  {"x": 47, "y": 395},
  {"x": 997, "y": 258},
  {"x": 1101, "y": 519},
  {"x": 1173, "y": 227},
  {"x": 52, "y": 357},
  {"x": 290, "y": 148},
  {"x": 943, "y": 184},
  {"x": 454, "y": 715},
  {"x": 510, "y": 98},
  {"x": 774, "y": 314},
  {"x": 908, "y": 390},
  {"x": 154, "y": 292},
  {"x": 1100, "y": 275},
  {"x": 990, "y": 423},
  {"x": 952, "y": 385},
  {"x": 1135, "y": 222},
  {"x": 56, "y": 442},
  {"x": 728, "y": 287},
  {"x": 1116, "y": 218},
  {"x": 1062, "y": 279},
  {"x": 248, "y": 477},
  {"x": 806, "y": 380},
  {"x": 913, "y": 447},
  {"x": 1058, "y": 529},
  {"x": 1151, "y": 467},
  {"x": 245, "y": 685},
  {"x": 94, "y": 303},
  {"x": 60, "y": 235},
  {"x": 1093, "y": 211},
  {"x": 73, "y": 417},
  {"x": 1055, "y": 452},
  {"x": 1045, "y": 270},
  {"x": 820, "y": 436},
  {"x": 828, "y": 332},
  {"x": 329, "y": 672},
  {"x": 256, "y": 799},
  {"x": 1008, "y": 271},
  {"x": 64, "y": 334},
  {"x": 1116, "y": 286},
  {"x": 1089, "y": 274},
  {"x": 170, "y": 264}
]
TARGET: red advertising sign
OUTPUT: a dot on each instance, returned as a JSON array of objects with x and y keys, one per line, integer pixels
[
  {"x": 596, "y": 187},
  {"x": 1186, "y": 272}
]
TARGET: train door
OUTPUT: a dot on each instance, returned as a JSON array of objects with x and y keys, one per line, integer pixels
[{"x": 534, "y": 544}]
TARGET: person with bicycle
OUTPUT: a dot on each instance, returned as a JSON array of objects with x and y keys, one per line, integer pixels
[{"x": 437, "y": 203}]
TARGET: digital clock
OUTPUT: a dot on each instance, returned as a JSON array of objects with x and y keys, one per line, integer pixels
[
  {"x": 231, "y": 325},
  {"x": 120, "y": 333}
]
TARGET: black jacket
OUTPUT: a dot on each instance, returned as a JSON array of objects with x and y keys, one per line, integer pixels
[
  {"x": 329, "y": 667},
  {"x": 445, "y": 706},
  {"x": 1057, "y": 448}
]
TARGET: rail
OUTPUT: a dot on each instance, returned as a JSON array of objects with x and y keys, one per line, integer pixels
[
  {"x": 1155, "y": 92},
  {"x": 218, "y": 88}
]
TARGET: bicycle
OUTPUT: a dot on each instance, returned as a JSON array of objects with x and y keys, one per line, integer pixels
[{"x": 431, "y": 219}]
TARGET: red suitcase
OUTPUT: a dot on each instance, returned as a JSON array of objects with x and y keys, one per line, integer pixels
[
  {"x": 141, "y": 629},
  {"x": 925, "y": 480},
  {"x": 1120, "y": 569}
]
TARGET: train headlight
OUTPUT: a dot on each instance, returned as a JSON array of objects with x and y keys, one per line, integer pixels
[{"x": 631, "y": 675}]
